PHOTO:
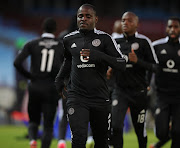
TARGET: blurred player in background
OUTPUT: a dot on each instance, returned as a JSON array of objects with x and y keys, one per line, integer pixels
[
  {"x": 117, "y": 29},
  {"x": 167, "y": 81},
  {"x": 152, "y": 94},
  {"x": 131, "y": 85},
  {"x": 46, "y": 55}
]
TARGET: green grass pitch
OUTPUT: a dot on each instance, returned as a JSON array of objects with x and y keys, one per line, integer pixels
[{"x": 13, "y": 136}]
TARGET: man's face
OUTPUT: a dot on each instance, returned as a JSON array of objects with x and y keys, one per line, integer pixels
[
  {"x": 86, "y": 18},
  {"x": 129, "y": 23},
  {"x": 173, "y": 29}
]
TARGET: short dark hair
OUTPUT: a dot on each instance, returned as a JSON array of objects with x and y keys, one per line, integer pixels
[
  {"x": 90, "y": 6},
  {"x": 174, "y": 18},
  {"x": 49, "y": 25}
]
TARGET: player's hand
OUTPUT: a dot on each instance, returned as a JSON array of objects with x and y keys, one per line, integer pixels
[
  {"x": 132, "y": 56},
  {"x": 85, "y": 53},
  {"x": 148, "y": 88},
  {"x": 109, "y": 73}
]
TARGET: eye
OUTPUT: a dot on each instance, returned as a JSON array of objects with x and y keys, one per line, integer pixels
[
  {"x": 88, "y": 16},
  {"x": 130, "y": 20},
  {"x": 80, "y": 16},
  {"x": 176, "y": 26}
]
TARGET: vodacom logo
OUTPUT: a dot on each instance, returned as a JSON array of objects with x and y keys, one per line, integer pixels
[{"x": 170, "y": 63}]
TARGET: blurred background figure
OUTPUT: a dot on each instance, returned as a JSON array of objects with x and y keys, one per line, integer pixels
[
  {"x": 117, "y": 29},
  {"x": 131, "y": 85},
  {"x": 167, "y": 84},
  {"x": 46, "y": 55},
  {"x": 72, "y": 27}
]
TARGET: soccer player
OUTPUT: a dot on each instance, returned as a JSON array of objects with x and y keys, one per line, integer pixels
[
  {"x": 131, "y": 85},
  {"x": 88, "y": 53},
  {"x": 167, "y": 81},
  {"x": 46, "y": 55}
]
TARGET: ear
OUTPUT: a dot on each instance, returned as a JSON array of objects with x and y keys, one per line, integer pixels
[
  {"x": 166, "y": 29},
  {"x": 96, "y": 19}
]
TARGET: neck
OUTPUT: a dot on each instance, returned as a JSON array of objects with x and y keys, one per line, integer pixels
[
  {"x": 175, "y": 40},
  {"x": 128, "y": 34}
]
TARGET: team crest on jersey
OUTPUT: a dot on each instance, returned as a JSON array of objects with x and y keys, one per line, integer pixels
[
  {"x": 96, "y": 42},
  {"x": 135, "y": 46},
  {"x": 178, "y": 52},
  {"x": 114, "y": 102},
  {"x": 158, "y": 110},
  {"x": 71, "y": 111}
]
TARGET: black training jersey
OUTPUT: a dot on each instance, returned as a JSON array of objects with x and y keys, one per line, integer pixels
[
  {"x": 168, "y": 75},
  {"x": 46, "y": 55},
  {"x": 135, "y": 75},
  {"x": 88, "y": 77}
]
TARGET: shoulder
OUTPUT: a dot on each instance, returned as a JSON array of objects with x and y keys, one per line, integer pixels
[
  {"x": 107, "y": 38},
  {"x": 117, "y": 35},
  {"x": 104, "y": 36},
  {"x": 120, "y": 39},
  {"x": 160, "y": 41},
  {"x": 32, "y": 42},
  {"x": 71, "y": 34},
  {"x": 143, "y": 37},
  {"x": 101, "y": 33}
]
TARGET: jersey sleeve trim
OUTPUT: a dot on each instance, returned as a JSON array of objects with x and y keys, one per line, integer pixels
[
  {"x": 72, "y": 33},
  {"x": 150, "y": 44},
  {"x": 114, "y": 42},
  {"x": 160, "y": 41}
]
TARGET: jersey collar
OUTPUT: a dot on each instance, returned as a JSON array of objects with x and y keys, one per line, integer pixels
[
  {"x": 169, "y": 40},
  {"x": 131, "y": 37},
  {"x": 48, "y": 35},
  {"x": 86, "y": 32}
]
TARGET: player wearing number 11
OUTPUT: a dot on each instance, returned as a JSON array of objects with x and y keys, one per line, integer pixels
[{"x": 46, "y": 55}]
